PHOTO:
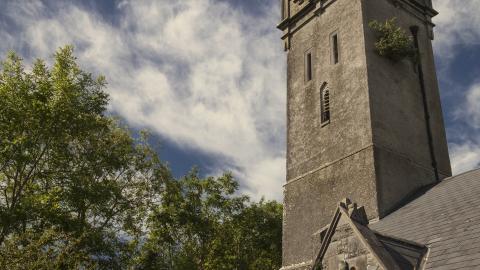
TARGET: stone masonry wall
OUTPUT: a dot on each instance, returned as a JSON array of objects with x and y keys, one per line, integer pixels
[
  {"x": 345, "y": 246},
  {"x": 402, "y": 153},
  {"x": 310, "y": 202},
  {"x": 375, "y": 148},
  {"x": 326, "y": 163}
]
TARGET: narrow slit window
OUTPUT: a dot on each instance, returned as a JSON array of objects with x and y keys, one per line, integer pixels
[
  {"x": 335, "y": 53},
  {"x": 325, "y": 105},
  {"x": 308, "y": 67}
]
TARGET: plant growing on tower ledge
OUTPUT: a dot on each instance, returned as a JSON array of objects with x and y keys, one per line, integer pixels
[{"x": 393, "y": 42}]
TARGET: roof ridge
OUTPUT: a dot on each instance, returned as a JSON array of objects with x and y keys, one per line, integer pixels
[
  {"x": 460, "y": 174},
  {"x": 419, "y": 192}
]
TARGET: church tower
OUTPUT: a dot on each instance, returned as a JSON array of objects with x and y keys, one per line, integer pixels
[{"x": 359, "y": 125}]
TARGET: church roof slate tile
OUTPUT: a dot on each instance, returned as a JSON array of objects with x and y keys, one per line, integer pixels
[{"x": 446, "y": 219}]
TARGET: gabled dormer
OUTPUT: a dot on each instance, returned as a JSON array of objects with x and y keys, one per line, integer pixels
[{"x": 348, "y": 243}]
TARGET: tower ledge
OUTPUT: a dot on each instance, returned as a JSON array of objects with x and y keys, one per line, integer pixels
[{"x": 303, "y": 13}]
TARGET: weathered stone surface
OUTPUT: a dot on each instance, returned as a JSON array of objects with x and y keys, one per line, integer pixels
[
  {"x": 313, "y": 199},
  {"x": 375, "y": 149},
  {"x": 402, "y": 157},
  {"x": 346, "y": 246}
]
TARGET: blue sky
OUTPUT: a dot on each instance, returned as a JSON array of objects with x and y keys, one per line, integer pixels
[{"x": 207, "y": 77}]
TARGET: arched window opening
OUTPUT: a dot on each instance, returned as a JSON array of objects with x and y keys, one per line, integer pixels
[{"x": 325, "y": 105}]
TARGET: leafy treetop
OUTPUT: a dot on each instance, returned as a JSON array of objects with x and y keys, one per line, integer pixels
[{"x": 77, "y": 191}]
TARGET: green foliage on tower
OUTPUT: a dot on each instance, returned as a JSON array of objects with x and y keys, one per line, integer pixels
[
  {"x": 78, "y": 191},
  {"x": 393, "y": 42}
]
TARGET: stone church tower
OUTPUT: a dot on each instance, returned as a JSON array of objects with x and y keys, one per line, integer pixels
[{"x": 359, "y": 125}]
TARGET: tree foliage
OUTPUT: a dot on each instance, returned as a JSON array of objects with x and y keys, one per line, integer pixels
[
  {"x": 200, "y": 225},
  {"x": 393, "y": 42},
  {"x": 77, "y": 191},
  {"x": 64, "y": 166}
]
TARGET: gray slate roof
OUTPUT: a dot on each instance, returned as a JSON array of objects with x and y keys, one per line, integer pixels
[{"x": 446, "y": 219}]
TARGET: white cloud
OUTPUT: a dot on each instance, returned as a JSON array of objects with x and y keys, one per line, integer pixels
[
  {"x": 207, "y": 76},
  {"x": 472, "y": 108},
  {"x": 465, "y": 156},
  {"x": 465, "y": 153},
  {"x": 197, "y": 72},
  {"x": 458, "y": 28},
  {"x": 457, "y": 24}
]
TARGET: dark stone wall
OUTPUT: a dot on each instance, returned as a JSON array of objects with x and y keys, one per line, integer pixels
[{"x": 402, "y": 154}]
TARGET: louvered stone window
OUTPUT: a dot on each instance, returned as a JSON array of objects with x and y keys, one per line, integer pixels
[{"x": 325, "y": 105}]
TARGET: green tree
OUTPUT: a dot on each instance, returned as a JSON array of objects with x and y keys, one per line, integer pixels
[
  {"x": 201, "y": 224},
  {"x": 260, "y": 236},
  {"x": 77, "y": 191},
  {"x": 71, "y": 179}
]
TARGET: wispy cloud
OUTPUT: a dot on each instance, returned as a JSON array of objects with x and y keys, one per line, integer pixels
[
  {"x": 207, "y": 76},
  {"x": 465, "y": 156},
  {"x": 457, "y": 30},
  {"x": 457, "y": 24},
  {"x": 466, "y": 153},
  {"x": 472, "y": 108},
  {"x": 197, "y": 72}
]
